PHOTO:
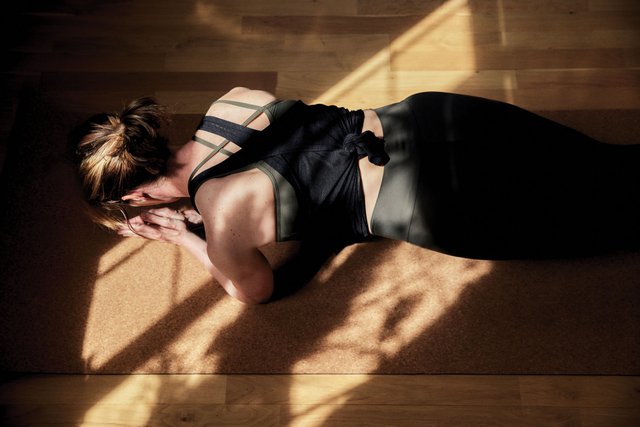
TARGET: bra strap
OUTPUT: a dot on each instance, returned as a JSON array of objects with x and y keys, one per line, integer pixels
[
  {"x": 259, "y": 108},
  {"x": 219, "y": 148},
  {"x": 210, "y": 145}
]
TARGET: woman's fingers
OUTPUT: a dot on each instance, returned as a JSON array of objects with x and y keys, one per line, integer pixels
[
  {"x": 171, "y": 219},
  {"x": 136, "y": 220},
  {"x": 168, "y": 213},
  {"x": 156, "y": 224},
  {"x": 192, "y": 216}
]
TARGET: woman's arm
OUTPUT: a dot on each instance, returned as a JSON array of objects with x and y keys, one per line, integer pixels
[
  {"x": 251, "y": 284},
  {"x": 238, "y": 212},
  {"x": 253, "y": 278}
]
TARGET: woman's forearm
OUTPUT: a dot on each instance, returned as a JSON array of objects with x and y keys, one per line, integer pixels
[{"x": 198, "y": 248}]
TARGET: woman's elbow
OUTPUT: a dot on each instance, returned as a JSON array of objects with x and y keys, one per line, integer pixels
[
  {"x": 255, "y": 299},
  {"x": 255, "y": 295}
]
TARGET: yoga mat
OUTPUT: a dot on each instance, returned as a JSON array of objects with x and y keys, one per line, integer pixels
[{"x": 75, "y": 299}]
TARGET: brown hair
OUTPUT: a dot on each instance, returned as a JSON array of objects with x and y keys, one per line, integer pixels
[{"x": 117, "y": 152}]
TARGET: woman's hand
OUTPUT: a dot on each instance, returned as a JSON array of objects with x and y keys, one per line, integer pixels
[
  {"x": 192, "y": 216},
  {"x": 162, "y": 224}
]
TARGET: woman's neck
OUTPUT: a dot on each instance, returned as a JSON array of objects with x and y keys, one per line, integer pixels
[{"x": 179, "y": 167}]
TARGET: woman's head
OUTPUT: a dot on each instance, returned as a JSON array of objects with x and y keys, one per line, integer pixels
[{"x": 117, "y": 153}]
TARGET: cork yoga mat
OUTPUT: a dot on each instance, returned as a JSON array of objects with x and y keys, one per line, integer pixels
[{"x": 78, "y": 300}]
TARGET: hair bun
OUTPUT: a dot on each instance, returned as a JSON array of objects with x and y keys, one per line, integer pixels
[{"x": 118, "y": 152}]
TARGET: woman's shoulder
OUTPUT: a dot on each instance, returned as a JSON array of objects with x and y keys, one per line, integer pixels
[
  {"x": 241, "y": 204},
  {"x": 223, "y": 107},
  {"x": 250, "y": 96}
]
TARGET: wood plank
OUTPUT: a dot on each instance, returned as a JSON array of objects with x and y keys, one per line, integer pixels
[
  {"x": 424, "y": 57},
  {"x": 578, "y": 98},
  {"x": 179, "y": 102},
  {"x": 293, "y": 53},
  {"x": 515, "y": 39},
  {"x": 608, "y": 5},
  {"x": 134, "y": 414},
  {"x": 559, "y": 22},
  {"x": 607, "y": 417},
  {"x": 374, "y": 390},
  {"x": 113, "y": 389},
  {"x": 96, "y": 101},
  {"x": 400, "y": 7},
  {"x": 377, "y": 86},
  {"x": 328, "y": 24},
  {"x": 463, "y": 39},
  {"x": 520, "y": 7},
  {"x": 113, "y": 62},
  {"x": 385, "y": 7},
  {"x": 299, "y": 7},
  {"x": 463, "y": 32},
  {"x": 632, "y": 58},
  {"x": 314, "y": 400},
  {"x": 398, "y": 24},
  {"x": 154, "y": 81},
  {"x": 411, "y": 416},
  {"x": 190, "y": 102},
  {"x": 233, "y": 7},
  {"x": 578, "y": 89},
  {"x": 104, "y": 32},
  {"x": 581, "y": 78},
  {"x": 576, "y": 391}
]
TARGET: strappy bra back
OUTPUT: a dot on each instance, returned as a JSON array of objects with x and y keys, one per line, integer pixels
[
  {"x": 310, "y": 153},
  {"x": 233, "y": 132},
  {"x": 240, "y": 134}
]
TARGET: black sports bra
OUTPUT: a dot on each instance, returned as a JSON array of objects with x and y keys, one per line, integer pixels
[
  {"x": 233, "y": 132},
  {"x": 310, "y": 153}
]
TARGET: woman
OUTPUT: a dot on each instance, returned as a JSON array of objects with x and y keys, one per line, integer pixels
[{"x": 463, "y": 175}]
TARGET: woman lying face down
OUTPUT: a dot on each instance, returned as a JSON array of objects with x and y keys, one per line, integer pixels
[{"x": 462, "y": 175}]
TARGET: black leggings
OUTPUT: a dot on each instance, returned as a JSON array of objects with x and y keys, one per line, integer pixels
[{"x": 484, "y": 179}]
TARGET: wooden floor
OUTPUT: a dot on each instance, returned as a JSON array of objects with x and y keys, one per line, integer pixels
[
  {"x": 317, "y": 400},
  {"x": 550, "y": 54}
]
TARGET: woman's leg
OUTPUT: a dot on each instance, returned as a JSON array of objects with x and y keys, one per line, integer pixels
[{"x": 495, "y": 181}]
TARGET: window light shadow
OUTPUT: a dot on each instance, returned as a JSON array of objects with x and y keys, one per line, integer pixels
[
  {"x": 409, "y": 309},
  {"x": 410, "y": 316}
]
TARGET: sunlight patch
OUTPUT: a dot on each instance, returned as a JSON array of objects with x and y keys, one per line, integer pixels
[
  {"x": 138, "y": 284},
  {"x": 379, "y": 79},
  {"x": 387, "y": 318},
  {"x": 329, "y": 392}
]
